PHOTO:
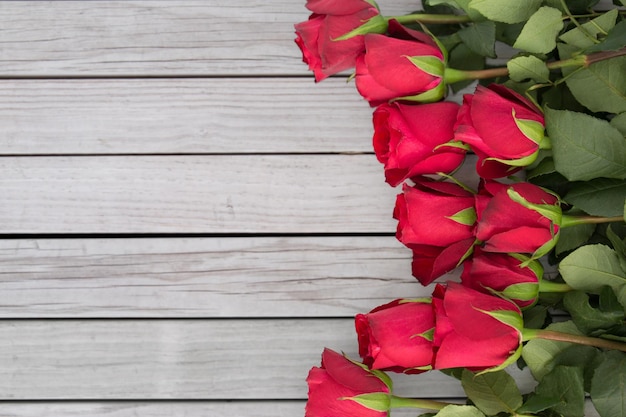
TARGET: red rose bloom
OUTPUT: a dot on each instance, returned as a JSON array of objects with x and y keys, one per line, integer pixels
[
  {"x": 332, "y": 386},
  {"x": 503, "y": 274},
  {"x": 435, "y": 220},
  {"x": 330, "y": 20},
  {"x": 386, "y": 71},
  {"x": 508, "y": 226},
  {"x": 502, "y": 127},
  {"x": 474, "y": 330},
  {"x": 397, "y": 336},
  {"x": 405, "y": 138}
]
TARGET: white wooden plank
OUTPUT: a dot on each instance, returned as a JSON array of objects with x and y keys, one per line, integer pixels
[
  {"x": 169, "y": 116},
  {"x": 199, "y": 277},
  {"x": 190, "y": 37},
  {"x": 198, "y": 194},
  {"x": 181, "y": 359}
]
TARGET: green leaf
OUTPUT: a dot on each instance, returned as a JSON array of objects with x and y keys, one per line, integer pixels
[
  {"x": 591, "y": 267},
  {"x": 598, "y": 197},
  {"x": 492, "y": 392},
  {"x": 608, "y": 386},
  {"x": 572, "y": 237},
  {"x": 619, "y": 123},
  {"x": 616, "y": 39},
  {"x": 587, "y": 35},
  {"x": 539, "y": 33},
  {"x": 602, "y": 86},
  {"x": 459, "y": 411},
  {"x": 585, "y": 147},
  {"x": 565, "y": 383},
  {"x": 587, "y": 318},
  {"x": 537, "y": 403},
  {"x": 525, "y": 67},
  {"x": 480, "y": 37},
  {"x": 586, "y": 357},
  {"x": 618, "y": 244},
  {"x": 540, "y": 354},
  {"x": 507, "y": 11}
]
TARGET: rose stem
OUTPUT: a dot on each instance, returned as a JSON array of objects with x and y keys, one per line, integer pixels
[
  {"x": 572, "y": 338},
  {"x": 568, "y": 221},
  {"x": 431, "y": 18}
]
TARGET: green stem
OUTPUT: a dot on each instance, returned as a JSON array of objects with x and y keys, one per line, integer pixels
[
  {"x": 403, "y": 402},
  {"x": 452, "y": 75},
  {"x": 568, "y": 221},
  {"x": 549, "y": 286},
  {"x": 573, "y": 338},
  {"x": 431, "y": 18}
]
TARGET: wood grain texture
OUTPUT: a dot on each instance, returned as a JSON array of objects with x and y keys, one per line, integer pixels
[
  {"x": 180, "y": 359},
  {"x": 203, "y": 277},
  {"x": 154, "y": 38},
  {"x": 198, "y": 194},
  {"x": 170, "y": 116}
]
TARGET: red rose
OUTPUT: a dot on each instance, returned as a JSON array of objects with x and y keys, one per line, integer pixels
[
  {"x": 334, "y": 386},
  {"x": 389, "y": 69},
  {"x": 436, "y": 220},
  {"x": 330, "y": 20},
  {"x": 397, "y": 336},
  {"x": 503, "y": 274},
  {"x": 502, "y": 127},
  {"x": 474, "y": 330},
  {"x": 520, "y": 218},
  {"x": 405, "y": 138}
]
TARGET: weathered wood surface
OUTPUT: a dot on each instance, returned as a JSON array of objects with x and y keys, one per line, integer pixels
[
  {"x": 174, "y": 116},
  {"x": 154, "y": 38},
  {"x": 195, "y": 194},
  {"x": 203, "y": 277},
  {"x": 180, "y": 359}
]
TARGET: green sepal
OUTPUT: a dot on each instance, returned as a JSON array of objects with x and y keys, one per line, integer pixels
[
  {"x": 425, "y": 300},
  {"x": 466, "y": 216},
  {"x": 379, "y": 374},
  {"x": 527, "y": 262},
  {"x": 377, "y": 401},
  {"x": 429, "y": 64},
  {"x": 511, "y": 360},
  {"x": 532, "y": 129},
  {"x": 549, "y": 211},
  {"x": 428, "y": 335},
  {"x": 376, "y": 24},
  {"x": 453, "y": 144},
  {"x": 508, "y": 317},
  {"x": 521, "y": 162},
  {"x": 525, "y": 291},
  {"x": 430, "y": 96}
]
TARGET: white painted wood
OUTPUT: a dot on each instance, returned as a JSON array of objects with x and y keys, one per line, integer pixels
[
  {"x": 197, "y": 194},
  {"x": 180, "y": 359},
  {"x": 167, "y": 116},
  {"x": 139, "y": 38},
  {"x": 203, "y": 277}
]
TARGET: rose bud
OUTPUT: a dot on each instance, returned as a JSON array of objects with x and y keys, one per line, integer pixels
[
  {"x": 504, "y": 275},
  {"x": 410, "y": 139},
  {"x": 503, "y": 128},
  {"x": 520, "y": 218},
  {"x": 436, "y": 220},
  {"x": 317, "y": 37},
  {"x": 475, "y": 330},
  {"x": 397, "y": 336},
  {"x": 406, "y": 65},
  {"x": 343, "y": 388}
]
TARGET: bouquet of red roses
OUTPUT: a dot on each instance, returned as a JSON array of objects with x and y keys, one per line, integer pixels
[{"x": 546, "y": 136}]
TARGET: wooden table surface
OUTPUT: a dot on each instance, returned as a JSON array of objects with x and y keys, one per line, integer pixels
[{"x": 187, "y": 219}]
